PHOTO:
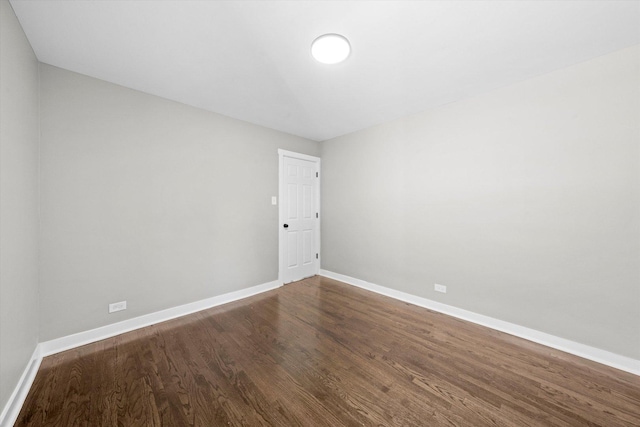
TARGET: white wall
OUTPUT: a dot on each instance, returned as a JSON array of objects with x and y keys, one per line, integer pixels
[
  {"x": 149, "y": 201},
  {"x": 18, "y": 202},
  {"x": 525, "y": 202}
]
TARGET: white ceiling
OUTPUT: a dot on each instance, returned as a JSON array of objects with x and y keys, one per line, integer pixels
[{"x": 251, "y": 59}]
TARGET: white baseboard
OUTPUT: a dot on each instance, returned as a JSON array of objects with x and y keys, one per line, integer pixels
[
  {"x": 71, "y": 341},
  {"x": 587, "y": 352},
  {"x": 14, "y": 405},
  {"x": 12, "y": 409}
]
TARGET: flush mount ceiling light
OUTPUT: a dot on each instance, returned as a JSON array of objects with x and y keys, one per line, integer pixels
[{"x": 330, "y": 48}]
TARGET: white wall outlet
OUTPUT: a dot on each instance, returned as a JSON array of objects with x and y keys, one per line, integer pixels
[
  {"x": 117, "y": 306},
  {"x": 440, "y": 288},
  {"x": 274, "y": 200}
]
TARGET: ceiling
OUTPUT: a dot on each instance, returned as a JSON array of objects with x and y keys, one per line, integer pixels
[{"x": 251, "y": 59}]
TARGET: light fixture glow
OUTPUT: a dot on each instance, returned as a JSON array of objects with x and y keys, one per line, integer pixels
[{"x": 330, "y": 48}]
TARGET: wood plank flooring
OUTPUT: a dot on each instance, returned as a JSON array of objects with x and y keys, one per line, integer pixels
[{"x": 322, "y": 353}]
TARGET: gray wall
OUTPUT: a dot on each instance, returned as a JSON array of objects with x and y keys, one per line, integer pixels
[
  {"x": 149, "y": 201},
  {"x": 525, "y": 202},
  {"x": 18, "y": 202}
]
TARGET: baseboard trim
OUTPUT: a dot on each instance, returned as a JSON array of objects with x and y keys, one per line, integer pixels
[
  {"x": 604, "y": 357},
  {"x": 57, "y": 345},
  {"x": 12, "y": 409}
]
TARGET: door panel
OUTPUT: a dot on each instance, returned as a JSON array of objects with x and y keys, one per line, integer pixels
[
  {"x": 307, "y": 202},
  {"x": 292, "y": 194},
  {"x": 307, "y": 247},
  {"x": 292, "y": 243}
]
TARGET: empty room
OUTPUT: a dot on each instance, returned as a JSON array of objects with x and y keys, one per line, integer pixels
[{"x": 319, "y": 213}]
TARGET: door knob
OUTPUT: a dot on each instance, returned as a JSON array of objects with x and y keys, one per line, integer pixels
[{"x": 286, "y": 226}]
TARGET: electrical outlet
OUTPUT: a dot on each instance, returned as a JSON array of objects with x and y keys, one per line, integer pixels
[
  {"x": 274, "y": 200},
  {"x": 440, "y": 288},
  {"x": 117, "y": 306}
]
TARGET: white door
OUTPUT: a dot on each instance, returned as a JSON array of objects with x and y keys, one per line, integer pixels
[{"x": 299, "y": 216}]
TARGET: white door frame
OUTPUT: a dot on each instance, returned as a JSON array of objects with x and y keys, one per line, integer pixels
[{"x": 281, "y": 214}]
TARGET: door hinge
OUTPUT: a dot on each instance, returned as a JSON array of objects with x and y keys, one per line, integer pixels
[
  {"x": 316, "y": 214},
  {"x": 316, "y": 256},
  {"x": 316, "y": 174}
]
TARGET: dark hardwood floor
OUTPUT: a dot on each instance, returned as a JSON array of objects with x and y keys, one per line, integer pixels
[{"x": 322, "y": 353}]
